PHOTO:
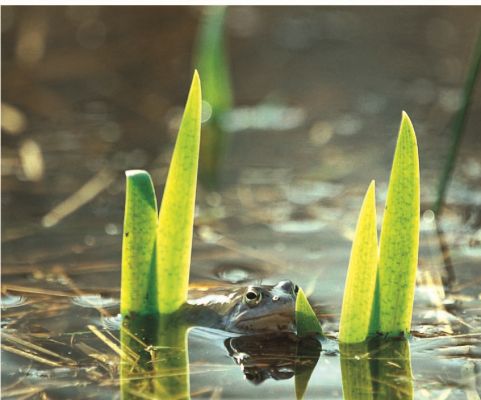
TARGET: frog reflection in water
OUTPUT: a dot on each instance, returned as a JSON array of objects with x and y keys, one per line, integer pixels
[{"x": 252, "y": 309}]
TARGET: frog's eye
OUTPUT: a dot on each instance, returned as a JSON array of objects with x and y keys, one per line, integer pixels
[{"x": 252, "y": 297}]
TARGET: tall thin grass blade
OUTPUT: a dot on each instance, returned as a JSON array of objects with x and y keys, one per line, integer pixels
[
  {"x": 361, "y": 275},
  {"x": 138, "y": 247},
  {"x": 399, "y": 240},
  {"x": 176, "y": 216},
  {"x": 211, "y": 60},
  {"x": 306, "y": 319},
  {"x": 458, "y": 127}
]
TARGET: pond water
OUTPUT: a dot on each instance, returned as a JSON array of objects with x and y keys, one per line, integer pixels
[{"x": 90, "y": 92}]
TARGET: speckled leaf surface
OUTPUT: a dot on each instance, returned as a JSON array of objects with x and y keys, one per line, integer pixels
[
  {"x": 361, "y": 274},
  {"x": 306, "y": 320},
  {"x": 176, "y": 216},
  {"x": 138, "y": 246},
  {"x": 399, "y": 240}
]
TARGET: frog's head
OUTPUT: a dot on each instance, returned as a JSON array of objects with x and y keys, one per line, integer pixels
[{"x": 264, "y": 308}]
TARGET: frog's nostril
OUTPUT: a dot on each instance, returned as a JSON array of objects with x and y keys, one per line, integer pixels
[{"x": 296, "y": 289}]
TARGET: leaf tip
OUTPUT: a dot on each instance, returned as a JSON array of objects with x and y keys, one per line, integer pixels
[
  {"x": 407, "y": 125},
  {"x": 196, "y": 80},
  {"x": 372, "y": 187},
  {"x": 134, "y": 172},
  {"x": 306, "y": 319}
]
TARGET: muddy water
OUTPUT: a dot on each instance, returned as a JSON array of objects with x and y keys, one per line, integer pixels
[{"x": 99, "y": 91}]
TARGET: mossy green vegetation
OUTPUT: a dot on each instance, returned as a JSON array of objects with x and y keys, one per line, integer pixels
[
  {"x": 361, "y": 276},
  {"x": 306, "y": 320},
  {"x": 176, "y": 216},
  {"x": 392, "y": 293}
]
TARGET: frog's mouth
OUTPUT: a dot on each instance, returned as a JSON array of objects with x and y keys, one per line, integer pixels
[{"x": 283, "y": 321}]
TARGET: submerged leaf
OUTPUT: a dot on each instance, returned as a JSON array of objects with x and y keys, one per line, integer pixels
[
  {"x": 306, "y": 320},
  {"x": 176, "y": 216},
  {"x": 361, "y": 275},
  {"x": 399, "y": 240},
  {"x": 138, "y": 247}
]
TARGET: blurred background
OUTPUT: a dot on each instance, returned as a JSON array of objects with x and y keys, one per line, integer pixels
[{"x": 308, "y": 104}]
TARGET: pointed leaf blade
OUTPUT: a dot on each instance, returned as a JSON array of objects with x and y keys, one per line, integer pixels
[
  {"x": 361, "y": 275},
  {"x": 399, "y": 240},
  {"x": 176, "y": 216},
  {"x": 306, "y": 320}
]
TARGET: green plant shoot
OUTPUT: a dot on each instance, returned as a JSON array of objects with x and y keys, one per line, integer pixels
[
  {"x": 306, "y": 320},
  {"x": 361, "y": 275},
  {"x": 138, "y": 247},
  {"x": 399, "y": 240},
  {"x": 176, "y": 216},
  {"x": 211, "y": 61}
]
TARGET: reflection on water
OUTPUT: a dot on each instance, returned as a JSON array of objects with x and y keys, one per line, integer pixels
[
  {"x": 10, "y": 301},
  {"x": 380, "y": 369},
  {"x": 94, "y": 301},
  {"x": 273, "y": 356},
  {"x": 318, "y": 93}
]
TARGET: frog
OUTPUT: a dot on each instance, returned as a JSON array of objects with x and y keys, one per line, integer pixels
[{"x": 247, "y": 309}]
